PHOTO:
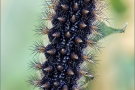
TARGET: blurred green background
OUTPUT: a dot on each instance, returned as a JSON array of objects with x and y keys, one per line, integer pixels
[{"x": 18, "y": 20}]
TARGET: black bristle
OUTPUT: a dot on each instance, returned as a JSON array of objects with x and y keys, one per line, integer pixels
[
  {"x": 72, "y": 23},
  {"x": 77, "y": 26}
]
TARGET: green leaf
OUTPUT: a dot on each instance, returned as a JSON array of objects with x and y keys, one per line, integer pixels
[{"x": 104, "y": 31}]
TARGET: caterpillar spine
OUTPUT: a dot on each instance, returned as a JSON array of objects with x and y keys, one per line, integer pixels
[{"x": 73, "y": 22}]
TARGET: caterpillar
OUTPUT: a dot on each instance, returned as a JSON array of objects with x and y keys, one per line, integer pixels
[{"x": 76, "y": 25}]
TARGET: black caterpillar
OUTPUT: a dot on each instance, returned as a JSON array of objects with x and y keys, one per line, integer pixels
[{"x": 72, "y": 23}]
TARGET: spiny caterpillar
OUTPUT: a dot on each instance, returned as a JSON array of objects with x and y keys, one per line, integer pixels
[{"x": 75, "y": 26}]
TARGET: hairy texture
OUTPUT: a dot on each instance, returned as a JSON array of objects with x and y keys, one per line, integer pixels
[{"x": 72, "y": 24}]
